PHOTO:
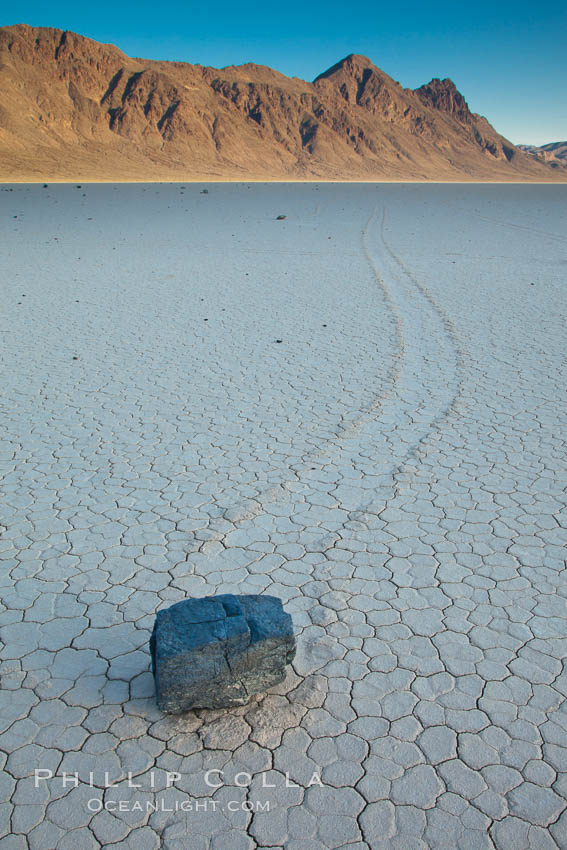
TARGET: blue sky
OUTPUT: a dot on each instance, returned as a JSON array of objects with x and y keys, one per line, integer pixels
[{"x": 508, "y": 59}]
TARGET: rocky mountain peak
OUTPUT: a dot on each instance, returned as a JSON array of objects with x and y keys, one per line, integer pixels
[{"x": 444, "y": 95}]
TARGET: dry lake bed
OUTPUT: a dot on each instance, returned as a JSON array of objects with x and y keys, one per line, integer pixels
[{"x": 359, "y": 408}]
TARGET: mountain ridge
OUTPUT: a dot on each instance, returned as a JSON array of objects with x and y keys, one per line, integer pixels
[
  {"x": 73, "y": 108},
  {"x": 553, "y": 152}
]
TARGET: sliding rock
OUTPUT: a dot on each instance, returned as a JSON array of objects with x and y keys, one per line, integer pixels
[{"x": 218, "y": 651}]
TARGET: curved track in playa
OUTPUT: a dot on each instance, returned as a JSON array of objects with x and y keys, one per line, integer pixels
[
  {"x": 392, "y": 470},
  {"x": 393, "y": 425}
]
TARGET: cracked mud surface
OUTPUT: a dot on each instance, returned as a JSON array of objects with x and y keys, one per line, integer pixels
[{"x": 394, "y": 470}]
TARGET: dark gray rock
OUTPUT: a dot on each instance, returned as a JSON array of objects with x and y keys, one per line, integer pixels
[{"x": 218, "y": 651}]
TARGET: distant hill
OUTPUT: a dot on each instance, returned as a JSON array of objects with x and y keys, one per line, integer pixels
[
  {"x": 554, "y": 153},
  {"x": 72, "y": 108}
]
